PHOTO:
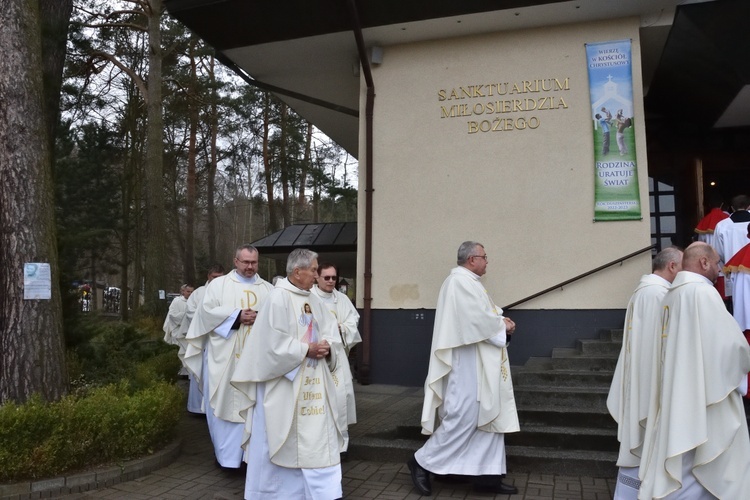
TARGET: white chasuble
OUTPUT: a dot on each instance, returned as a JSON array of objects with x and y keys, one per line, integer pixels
[
  {"x": 469, "y": 403},
  {"x": 697, "y": 433},
  {"x": 300, "y": 406},
  {"x": 628, "y": 400},
  {"x": 347, "y": 318},
  {"x": 225, "y": 297},
  {"x": 173, "y": 320},
  {"x": 467, "y": 315},
  {"x": 195, "y": 393}
]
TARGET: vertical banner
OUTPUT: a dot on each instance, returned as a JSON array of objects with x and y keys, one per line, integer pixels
[{"x": 616, "y": 195}]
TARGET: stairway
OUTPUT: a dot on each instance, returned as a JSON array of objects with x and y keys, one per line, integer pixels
[{"x": 561, "y": 400}]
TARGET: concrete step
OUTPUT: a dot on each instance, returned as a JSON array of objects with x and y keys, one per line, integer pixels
[
  {"x": 569, "y": 417},
  {"x": 565, "y": 438},
  {"x": 583, "y": 398},
  {"x": 562, "y": 378},
  {"x": 563, "y": 462},
  {"x": 568, "y": 358},
  {"x": 598, "y": 346},
  {"x": 383, "y": 449},
  {"x": 611, "y": 334}
]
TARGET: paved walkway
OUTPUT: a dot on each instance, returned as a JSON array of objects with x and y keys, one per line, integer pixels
[{"x": 380, "y": 409}]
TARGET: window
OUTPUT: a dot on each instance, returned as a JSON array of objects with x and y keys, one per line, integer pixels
[{"x": 663, "y": 216}]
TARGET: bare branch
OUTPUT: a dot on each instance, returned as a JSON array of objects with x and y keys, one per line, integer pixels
[
  {"x": 132, "y": 74},
  {"x": 114, "y": 25},
  {"x": 123, "y": 12}
]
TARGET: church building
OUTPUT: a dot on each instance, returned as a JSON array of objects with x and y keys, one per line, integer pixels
[{"x": 574, "y": 139}]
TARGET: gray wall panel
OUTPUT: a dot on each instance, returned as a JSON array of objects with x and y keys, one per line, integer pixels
[{"x": 400, "y": 345}]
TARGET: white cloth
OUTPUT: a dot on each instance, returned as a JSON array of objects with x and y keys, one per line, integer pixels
[
  {"x": 226, "y": 436},
  {"x": 224, "y": 298},
  {"x": 695, "y": 404},
  {"x": 299, "y": 395},
  {"x": 741, "y": 299},
  {"x": 347, "y": 318},
  {"x": 627, "y": 484},
  {"x": 468, "y": 391},
  {"x": 628, "y": 399},
  {"x": 730, "y": 236},
  {"x": 173, "y": 320},
  {"x": 195, "y": 392},
  {"x": 267, "y": 480},
  {"x": 457, "y": 446}
]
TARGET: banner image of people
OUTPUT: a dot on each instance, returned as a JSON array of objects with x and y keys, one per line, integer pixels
[{"x": 616, "y": 195}]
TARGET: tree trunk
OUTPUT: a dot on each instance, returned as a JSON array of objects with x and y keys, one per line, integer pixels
[
  {"x": 284, "y": 165},
  {"x": 303, "y": 174},
  {"x": 190, "y": 195},
  {"x": 156, "y": 244},
  {"x": 210, "y": 181},
  {"x": 31, "y": 340},
  {"x": 55, "y": 16},
  {"x": 272, "y": 224}
]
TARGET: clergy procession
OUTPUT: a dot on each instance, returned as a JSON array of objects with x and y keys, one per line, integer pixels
[
  {"x": 678, "y": 388},
  {"x": 268, "y": 365}
]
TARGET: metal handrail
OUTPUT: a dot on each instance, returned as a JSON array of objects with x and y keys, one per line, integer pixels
[{"x": 580, "y": 276}]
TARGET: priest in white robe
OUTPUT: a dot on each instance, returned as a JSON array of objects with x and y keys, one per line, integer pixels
[
  {"x": 628, "y": 400},
  {"x": 294, "y": 439},
  {"x": 347, "y": 318},
  {"x": 469, "y": 404},
  {"x": 195, "y": 395},
  {"x": 218, "y": 332},
  {"x": 697, "y": 444},
  {"x": 175, "y": 314},
  {"x": 729, "y": 235}
]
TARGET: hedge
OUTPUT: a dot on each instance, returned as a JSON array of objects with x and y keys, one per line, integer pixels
[{"x": 108, "y": 424}]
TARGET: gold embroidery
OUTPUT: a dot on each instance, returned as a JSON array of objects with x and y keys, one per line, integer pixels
[{"x": 250, "y": 303}]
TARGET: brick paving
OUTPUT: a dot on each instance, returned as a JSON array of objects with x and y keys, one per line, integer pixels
[{"x": 194, "y": 474}]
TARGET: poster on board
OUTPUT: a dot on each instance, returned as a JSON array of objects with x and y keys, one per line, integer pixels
[{"x": 37, "y": 281}]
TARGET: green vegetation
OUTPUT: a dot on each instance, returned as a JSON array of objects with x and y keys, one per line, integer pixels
[
  {"x": 124, "y": 405},
  {"x": 108, "y": 424}
]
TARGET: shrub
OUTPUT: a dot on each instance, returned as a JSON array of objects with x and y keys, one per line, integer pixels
[
  {"x": 113, "y": 350},
  {"x": 108, "y": 424}
]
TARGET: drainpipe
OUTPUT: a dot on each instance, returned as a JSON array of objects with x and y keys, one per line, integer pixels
[{"x": 363, "y": 374}]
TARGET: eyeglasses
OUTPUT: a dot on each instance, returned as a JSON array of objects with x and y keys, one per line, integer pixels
[
  {"x": 329, "y": 278},
  {"x": 481, "y": 257}
]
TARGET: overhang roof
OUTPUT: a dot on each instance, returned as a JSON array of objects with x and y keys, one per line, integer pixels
[
  {"x": 333, "y": 242},
  {"x": 703, "y": 77},
  {"x": 307, "y": 46},
  {"x": 322, "y": 237}
]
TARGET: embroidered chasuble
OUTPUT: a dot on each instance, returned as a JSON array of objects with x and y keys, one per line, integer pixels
[
  {"x": 300, "y": 405},
  {"x": 347, "y": 319},
  {"x": 696, "y": 428},
  {"x": 225, "y": 297},
  {"x": 628, "y": 400}
]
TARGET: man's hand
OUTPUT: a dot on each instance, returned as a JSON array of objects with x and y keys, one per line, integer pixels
[
  {"x": 510, "y": 326},
  {"x": 318, "y": 350},
  {"x": 247, "y": 316}
]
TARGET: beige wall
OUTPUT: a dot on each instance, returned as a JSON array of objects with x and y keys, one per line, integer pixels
[{"x": 526, "y": 194}]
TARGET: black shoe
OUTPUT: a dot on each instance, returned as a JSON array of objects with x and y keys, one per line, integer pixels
[
  {"x": 420, "y": 477},
  {"x": 499, "y": 487}
]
